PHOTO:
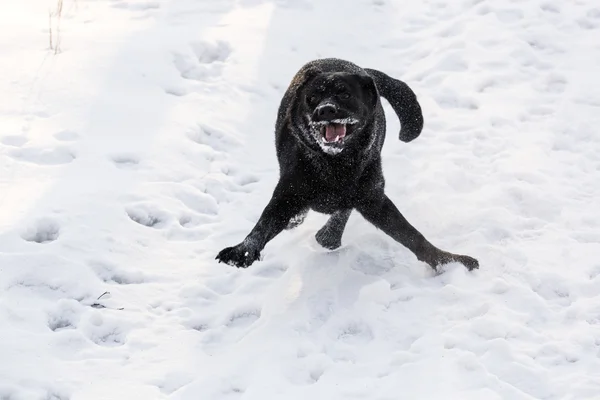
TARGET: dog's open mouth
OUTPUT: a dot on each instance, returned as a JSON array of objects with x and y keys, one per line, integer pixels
[{"x": 335, "y": 131}]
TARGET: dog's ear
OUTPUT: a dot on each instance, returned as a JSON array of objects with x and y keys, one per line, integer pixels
[
  {"x": 304, "y": 76},
  {"x": 369, "y": 90},
  {"x": 295, "y": 92}
]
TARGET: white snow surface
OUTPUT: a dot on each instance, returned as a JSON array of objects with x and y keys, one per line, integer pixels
[{"x": 130, "y": 158}]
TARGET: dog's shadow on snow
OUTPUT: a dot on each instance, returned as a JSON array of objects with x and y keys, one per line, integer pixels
[
  {"x": 317, "y": 282},
  {"x": 366, "y": 271}
]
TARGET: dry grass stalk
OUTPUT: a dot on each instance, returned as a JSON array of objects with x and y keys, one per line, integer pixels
[{"x": 57, "y": 14}]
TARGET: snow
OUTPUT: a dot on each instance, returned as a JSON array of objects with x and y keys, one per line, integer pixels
[{"x": 132, "y": 156}]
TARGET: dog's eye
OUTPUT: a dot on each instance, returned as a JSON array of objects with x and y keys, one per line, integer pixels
[{"x": 345, "y": 96}]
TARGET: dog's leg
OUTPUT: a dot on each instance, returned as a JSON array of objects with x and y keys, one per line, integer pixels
[
  {"x": 381, "y": 212},
  {"x": 283, "y": 206},
  {"x": 330, "y": 235}
]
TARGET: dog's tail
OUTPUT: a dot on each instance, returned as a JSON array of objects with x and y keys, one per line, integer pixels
[{"x": 404, "y": 102}]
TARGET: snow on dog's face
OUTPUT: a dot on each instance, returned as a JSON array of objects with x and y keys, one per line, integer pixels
[{"x": 335, "y": 107}]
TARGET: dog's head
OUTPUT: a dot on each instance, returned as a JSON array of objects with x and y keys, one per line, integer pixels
[{"x": 333, "y": 109}]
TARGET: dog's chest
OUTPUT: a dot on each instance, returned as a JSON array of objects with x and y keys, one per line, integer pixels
[{"x": 332, "y": 189}]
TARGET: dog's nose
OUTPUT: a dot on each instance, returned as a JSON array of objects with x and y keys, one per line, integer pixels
[{"x": 326, "y": 111}]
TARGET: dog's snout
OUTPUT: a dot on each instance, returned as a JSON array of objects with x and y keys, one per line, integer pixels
[{"x": 326, "y": 111}]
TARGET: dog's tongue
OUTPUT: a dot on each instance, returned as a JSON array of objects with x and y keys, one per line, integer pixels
[{"x": 335, "y": 131}]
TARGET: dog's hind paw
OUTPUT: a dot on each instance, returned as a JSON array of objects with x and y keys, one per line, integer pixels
[
  {"x": 328, "y": 240},
  {"x": 240, "y": 256}
]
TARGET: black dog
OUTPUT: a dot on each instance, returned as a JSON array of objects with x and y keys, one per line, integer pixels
[{"x": 329, "y": 132}]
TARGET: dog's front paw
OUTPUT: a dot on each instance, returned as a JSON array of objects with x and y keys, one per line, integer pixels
[
  {"x": 436, "y": 258},
  {"x": 240, "y": 256},
  {"x": 469, "y": 262}
]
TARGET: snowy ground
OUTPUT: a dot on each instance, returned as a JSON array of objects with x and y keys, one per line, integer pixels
[{"x": 128, "y": 160}]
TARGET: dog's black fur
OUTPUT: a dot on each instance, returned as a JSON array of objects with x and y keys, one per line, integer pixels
[{"x": 335, "y": 176}]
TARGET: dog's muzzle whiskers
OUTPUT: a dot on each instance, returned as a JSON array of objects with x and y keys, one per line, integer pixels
[{"x": 340, "y": 121}]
